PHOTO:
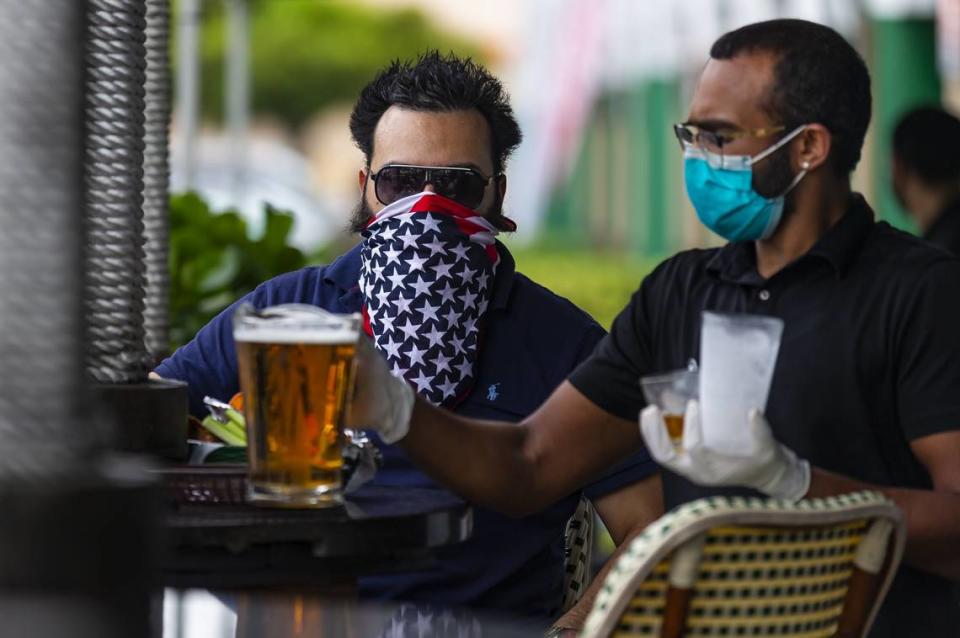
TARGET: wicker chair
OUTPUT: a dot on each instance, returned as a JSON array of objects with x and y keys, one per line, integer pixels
[
  {"x": 578, "y": 552},
  {"x": 755, "y": 567}
]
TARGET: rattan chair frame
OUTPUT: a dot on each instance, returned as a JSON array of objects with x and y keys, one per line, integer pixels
[
  {"x": 578, "y": 553},
  {"x": 688, "y": 525}
]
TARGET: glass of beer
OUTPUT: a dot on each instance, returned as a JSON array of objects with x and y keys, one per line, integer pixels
[
  {"x": 296, "y": 373},
  {"x": 670, "y": 392}
]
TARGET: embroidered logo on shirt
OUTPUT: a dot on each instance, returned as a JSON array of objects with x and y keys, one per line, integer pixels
[{"x": 493, "y": 392}]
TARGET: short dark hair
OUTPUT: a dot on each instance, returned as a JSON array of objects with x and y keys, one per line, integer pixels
[
  {"x": 818, "y": 77},
  {"x": 436, "y": 82},
  {"x": 927, "y": 141}
]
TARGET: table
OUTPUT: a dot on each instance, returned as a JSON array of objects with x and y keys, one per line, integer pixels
[
  {"x": 216, "y": 541},
  {"x": 264, "y": 615}
]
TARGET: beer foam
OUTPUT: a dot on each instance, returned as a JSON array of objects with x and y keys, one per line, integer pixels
[
  {"x": 293, "y": 334},
  {"x": 294, "y": 323}
]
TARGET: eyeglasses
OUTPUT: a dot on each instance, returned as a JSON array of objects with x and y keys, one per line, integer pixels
[
  {"x": 463, "y": 185},
  {"x": 712, "y": 142}
]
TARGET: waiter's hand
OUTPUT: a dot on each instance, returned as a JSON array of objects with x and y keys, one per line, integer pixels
[
  {"x": 764, "y": 464},
  {"x": 381, "y": 402}
]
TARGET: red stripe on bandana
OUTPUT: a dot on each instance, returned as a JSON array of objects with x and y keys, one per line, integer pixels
[
  {"x": 432, "y": 203},
  {"x": 367, "y": 328}
]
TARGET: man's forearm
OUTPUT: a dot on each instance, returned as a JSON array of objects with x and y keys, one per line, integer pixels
[
  {"x": 520, "y": 469},
  {"x": 484, "y": 461},
  {"x": 933, "y": 520},
  {"x": 625, "y": 512},
  {"x": 576, "y": 616}
]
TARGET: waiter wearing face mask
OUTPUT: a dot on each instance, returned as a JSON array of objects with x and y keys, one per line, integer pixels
[{"x": 866, "y": 392}]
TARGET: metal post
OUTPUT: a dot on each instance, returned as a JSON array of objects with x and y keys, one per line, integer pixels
[
  {"x": 40, "y": 280},
  {"x": 115, "y": 67},
  {"x": 150, "y": 415},
  {"x": 156, "y": 179},
  {"x": 188, "y": 83},
  {"x": 237, "y": 92},
  {"x": 77, "y": 534}
]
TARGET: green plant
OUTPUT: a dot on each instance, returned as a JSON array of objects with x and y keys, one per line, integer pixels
[
  {"x": 598, "y": 282},
  {"x": 308, "y": 54},
  {"x": 214, "y": 261}
]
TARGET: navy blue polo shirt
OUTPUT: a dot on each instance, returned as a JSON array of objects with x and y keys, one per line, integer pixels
[{"x": 532, "y": 340}]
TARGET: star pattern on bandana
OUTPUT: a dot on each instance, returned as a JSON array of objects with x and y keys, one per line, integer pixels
[{"x": 425, "y": 288}]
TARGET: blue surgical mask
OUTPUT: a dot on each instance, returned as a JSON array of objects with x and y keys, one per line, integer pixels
[{"x": 721, "y": 190}]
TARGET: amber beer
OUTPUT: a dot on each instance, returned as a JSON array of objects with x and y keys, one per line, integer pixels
[
  {"x": 674, "y": 423},
  {"x": 296, "y": 373}
]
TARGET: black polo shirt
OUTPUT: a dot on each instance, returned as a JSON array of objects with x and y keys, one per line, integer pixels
[
  {"x": 945, "y": 231},
  {"x": 869, "y": 360}
]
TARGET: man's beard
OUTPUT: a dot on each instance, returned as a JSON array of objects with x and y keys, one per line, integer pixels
[
  {"x": 773, "y": 177},
  {"x": 362, "y": 214}
]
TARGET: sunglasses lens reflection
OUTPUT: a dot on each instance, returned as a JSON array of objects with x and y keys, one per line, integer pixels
[
  {"x": 463, "y": 186},
  {"x": 395, "y": 183}
]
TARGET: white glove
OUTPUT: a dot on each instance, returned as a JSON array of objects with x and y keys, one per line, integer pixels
[
  {"x": 764, "y": 464},
  {"x": 381, "y": 402}
]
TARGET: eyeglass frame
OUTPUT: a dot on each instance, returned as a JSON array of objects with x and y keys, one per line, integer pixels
[
  {"x": 720, "y": 139},
  {"x": 696, "y": 133},
  {"x": 486, "y": 180}
]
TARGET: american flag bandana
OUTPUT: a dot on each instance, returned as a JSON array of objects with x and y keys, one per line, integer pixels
[{"x": 427, "y": 269}]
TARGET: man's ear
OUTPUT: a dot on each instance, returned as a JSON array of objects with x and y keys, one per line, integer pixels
[
  {"x": 815, "y": 144},
  {"x": 502, "y": 185},
  {"x": 362, "y": 175}
]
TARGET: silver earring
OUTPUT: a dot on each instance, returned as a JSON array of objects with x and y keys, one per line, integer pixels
[{"x": 805, "y": 165}]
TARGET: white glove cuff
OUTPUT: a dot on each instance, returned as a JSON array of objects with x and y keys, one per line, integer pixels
[
  {"x": 793, "y": 483},
  {"x": 400, "y": 400}
]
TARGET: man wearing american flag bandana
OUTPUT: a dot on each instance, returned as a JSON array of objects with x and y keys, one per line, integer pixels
[{"x": 444, "y": 305}]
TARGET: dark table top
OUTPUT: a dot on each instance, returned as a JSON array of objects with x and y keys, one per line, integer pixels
[
  {"x": 213, "y": 539},
  {"x": 267, "y": 614}
]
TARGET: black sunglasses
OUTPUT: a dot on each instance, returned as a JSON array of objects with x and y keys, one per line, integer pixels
[{"x": 463, "y": 185}]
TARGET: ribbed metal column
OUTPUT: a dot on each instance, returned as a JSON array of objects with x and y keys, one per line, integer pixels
[
  {"x": 156, "y": 179},
  {"x": 114, "y": 292},
  {"x": 40, "y": 280}
]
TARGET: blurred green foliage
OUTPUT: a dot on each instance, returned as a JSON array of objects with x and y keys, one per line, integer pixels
[
  {"x": 599, "y": 282},
  {"x": 214, "y": 261},
  {"x": 308, "y": 54}
]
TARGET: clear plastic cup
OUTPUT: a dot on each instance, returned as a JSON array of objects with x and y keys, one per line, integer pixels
[{"x": 671, "y": 391}]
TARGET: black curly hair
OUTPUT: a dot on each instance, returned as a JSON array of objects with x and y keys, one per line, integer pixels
[
  {"x": 437, "y": 82},
  {"x": 818, "y": 77}
]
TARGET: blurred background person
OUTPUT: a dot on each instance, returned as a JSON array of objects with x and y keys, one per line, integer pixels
[{"x": 926, "y": 173}]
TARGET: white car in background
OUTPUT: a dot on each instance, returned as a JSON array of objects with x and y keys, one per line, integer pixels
[{"x": 265, "y": 171}]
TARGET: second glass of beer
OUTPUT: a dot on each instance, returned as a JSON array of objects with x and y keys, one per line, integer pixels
[
  {"x": 670, "y": 392},
  {"x": 296, "y": 366}
]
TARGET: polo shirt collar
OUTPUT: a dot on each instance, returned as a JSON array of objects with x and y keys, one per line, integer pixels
[
  {"x": 736, "y": 262},
  {"x": 503, "y": 283},
  {"x": 344, "y": 273},
  {"x": 841, "y": 245}
]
